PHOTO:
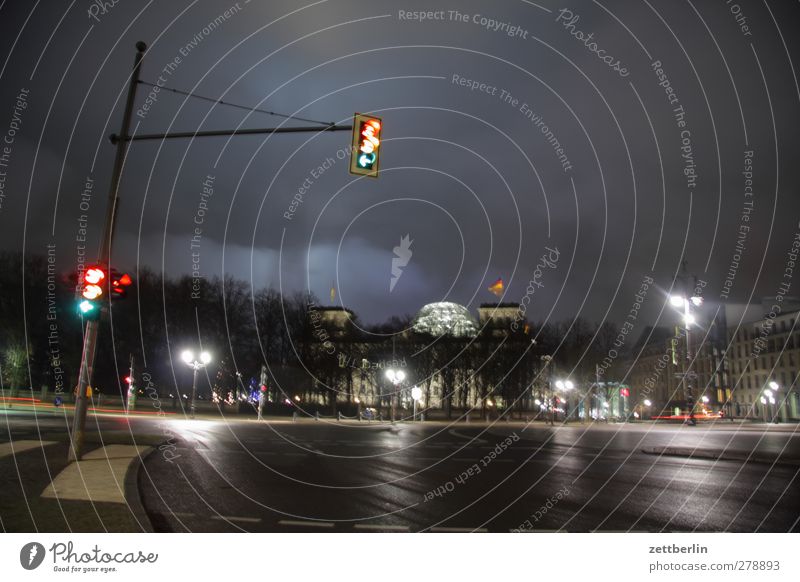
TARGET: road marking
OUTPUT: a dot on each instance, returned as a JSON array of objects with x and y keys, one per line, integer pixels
[
  {"x": 459, "y": 529},
  {"x": 16, "y": 447},
  {"x": 454, "y": 432},
  {"x": 378, "y": 526},
  {"x": 232, "y": 518},
  {"x": 99, "y": 477},
  {"x": 301, "y": 523}
]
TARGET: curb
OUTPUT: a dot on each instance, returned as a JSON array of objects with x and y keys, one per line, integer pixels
[
  {"x": 132, "y": 493},
  {"x": 718, "y": 455}
]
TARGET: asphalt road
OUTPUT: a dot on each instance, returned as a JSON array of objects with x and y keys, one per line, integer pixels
[
  {"x": 211, "y": 475},
  {"x": 316, "y": 476}
]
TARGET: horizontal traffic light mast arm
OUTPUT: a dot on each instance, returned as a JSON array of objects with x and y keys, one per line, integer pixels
[{"x": 226, "y": 132}]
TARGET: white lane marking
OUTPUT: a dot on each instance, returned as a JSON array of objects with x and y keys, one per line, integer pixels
[
  {"x": 15, "y": 447},
  {"x": 378, "y": 526},
  {"x": 302, "y": 523},
  {"x": 458, "y": 529},
  {"x": 99, "y": 477},
  {"x": 233, "y": 518}
]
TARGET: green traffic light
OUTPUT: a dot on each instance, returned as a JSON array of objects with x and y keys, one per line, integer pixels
[{"x": 89, "y": 310}]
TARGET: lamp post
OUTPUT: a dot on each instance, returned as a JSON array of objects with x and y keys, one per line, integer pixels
[
  {"x": 686, "y": 304},
  {"x": 189, "y": 359},
  {"x": 396, "y": 377},
  {"x": 548, "y": 396},
  {"x": 769, "y": 397},
  {"x": 565, "y": 386},
  {"x": 774, "y": 386},
  {"x": 416, "y": 395}
]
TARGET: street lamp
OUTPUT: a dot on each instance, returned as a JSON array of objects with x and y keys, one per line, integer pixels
[
  {"x": 771, "y": 394},
  {"x": 416, "y": 395},
  {"x": 565, "y": 386},
  {"x": 548, "y": 396},
  {"x": 189, "y": 359},
  {"x": 686, "y": 304},
  {"x": 396, "y": 377}
]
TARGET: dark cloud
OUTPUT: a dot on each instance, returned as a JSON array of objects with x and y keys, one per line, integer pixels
[{"x": 465, "y": 173}]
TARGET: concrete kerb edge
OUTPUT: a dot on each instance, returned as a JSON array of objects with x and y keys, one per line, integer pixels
[{"x": 132, "y": 493}]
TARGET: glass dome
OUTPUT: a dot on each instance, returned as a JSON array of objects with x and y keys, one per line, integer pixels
[{"x": 445, "y": 318}]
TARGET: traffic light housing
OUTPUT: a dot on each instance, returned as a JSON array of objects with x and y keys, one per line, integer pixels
[
  {"x": 92, "y": 284},
  {"x": 366, "y": 144},
  {"x": 120, "y": 284}
]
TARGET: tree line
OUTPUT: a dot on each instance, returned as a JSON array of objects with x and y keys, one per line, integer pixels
[{"x": 245, "y": 328}]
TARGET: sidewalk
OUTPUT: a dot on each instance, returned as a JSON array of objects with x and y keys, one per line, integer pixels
[{"x": 42, "y": 492}]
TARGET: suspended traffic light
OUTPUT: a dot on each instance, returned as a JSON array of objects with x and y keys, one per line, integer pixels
[
  {"x": 91, "y": 291},
  {"x": 366, "y": 145}
]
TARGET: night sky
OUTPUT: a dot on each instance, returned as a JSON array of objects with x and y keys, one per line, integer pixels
[{"x": 507, "y": 131}]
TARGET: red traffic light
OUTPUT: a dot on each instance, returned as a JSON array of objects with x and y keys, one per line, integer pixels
[
  {"x": 92, "y": 283},
  {"x": 119, "y": 284},
  {"x": 128, "y": 380},
  {"x": 263, "y": 388},
  {"x": 94, "y": 275}
]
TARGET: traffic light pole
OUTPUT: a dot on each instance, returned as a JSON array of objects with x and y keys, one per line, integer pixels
[
  {"x": 92, "y": 327},
  {"x": 227, "y": 132},
  {"x": 122, "y": 141}
]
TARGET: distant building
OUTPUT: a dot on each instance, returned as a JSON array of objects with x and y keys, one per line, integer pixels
[
  {"x": 761, "y": 352},
  {"x": 449, "y": 354}
]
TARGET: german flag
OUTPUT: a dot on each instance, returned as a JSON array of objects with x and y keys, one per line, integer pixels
[{"x": 497, "y": 287}]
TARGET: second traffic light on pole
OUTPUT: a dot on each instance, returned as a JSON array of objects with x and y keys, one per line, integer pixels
[{"x": 366, "y": 145}]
